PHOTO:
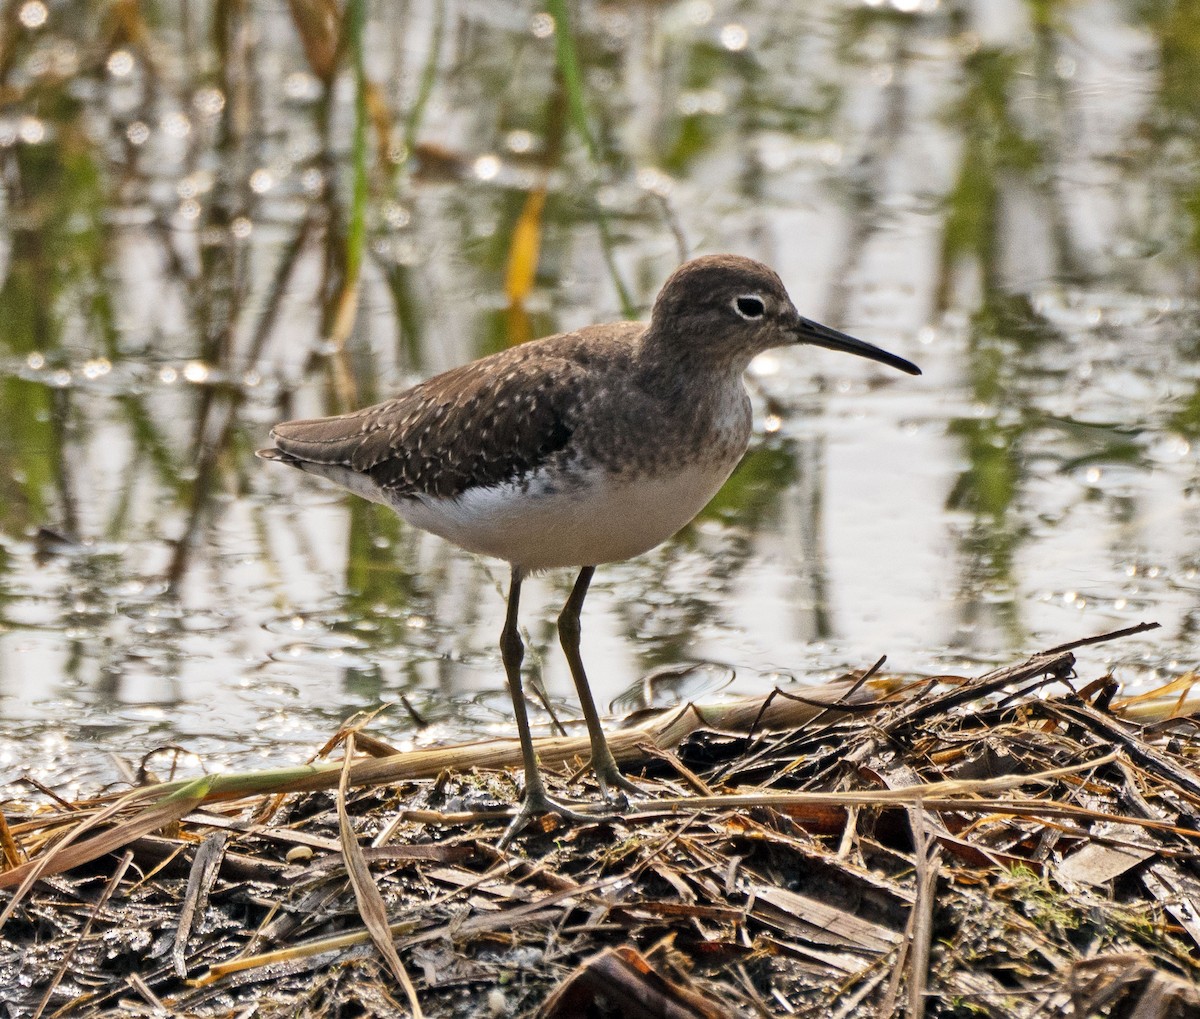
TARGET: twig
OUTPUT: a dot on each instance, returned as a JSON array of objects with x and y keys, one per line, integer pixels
[
  {"x": 1112, "y": 732},
  {"x": 1053, "y": 666},
  {"x": 205, "y": 867},
  {"x": 929, "y": 856},
  {"x": 663, "y": 754},
  {"x": 413, "y": 713},
  {"x": 371, "y": 907},
  {"x": 1129, "y": 631}
]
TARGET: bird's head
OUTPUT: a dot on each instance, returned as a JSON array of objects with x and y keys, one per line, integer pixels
[{"x": 727, "y": 309}]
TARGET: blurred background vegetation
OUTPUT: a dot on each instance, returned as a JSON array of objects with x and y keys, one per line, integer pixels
[{"x": 215, "y": 214}]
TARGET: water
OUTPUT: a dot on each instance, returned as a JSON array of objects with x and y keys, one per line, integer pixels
[{"x": 1005, "y": 193}]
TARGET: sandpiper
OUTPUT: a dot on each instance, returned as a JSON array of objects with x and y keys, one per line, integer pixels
[{"x": 578, "y": 449}]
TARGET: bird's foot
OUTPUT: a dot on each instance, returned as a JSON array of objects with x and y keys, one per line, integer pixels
[
  {"x": 535, "y": 804},
  {"x": 615, "y": 787}
]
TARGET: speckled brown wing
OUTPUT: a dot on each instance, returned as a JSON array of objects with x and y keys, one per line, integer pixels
[{"x": 484, "y": 423}]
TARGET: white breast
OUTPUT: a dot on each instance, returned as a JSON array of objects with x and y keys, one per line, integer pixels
[{"x": 595, "y": 518}]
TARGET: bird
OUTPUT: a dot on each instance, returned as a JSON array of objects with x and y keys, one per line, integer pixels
[{"x": 575, "y": 450}]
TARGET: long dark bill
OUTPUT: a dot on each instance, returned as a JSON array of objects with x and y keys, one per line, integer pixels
[{"x": 808, "y": 331}]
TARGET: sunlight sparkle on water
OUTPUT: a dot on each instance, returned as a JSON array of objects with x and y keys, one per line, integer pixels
[
  {"x": 301, "y": 86},
  {"x": 396, "y": 215},
  {"x": 119, "y": 63},
  {"x": 33, "y": 14},
  {"x": 651, "y": 179},
  {"x": 31, "y": 131},
  {"x": 486, "y": 167},
  {"x": 176, "y": 125},
  {"x": 518, "y": 141},
  {"x": 765, "y": 365},
  {"x": 734, "y": 37},
  {"x": 209, "y": 102}
]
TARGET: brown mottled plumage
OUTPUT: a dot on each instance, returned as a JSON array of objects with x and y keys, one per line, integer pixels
[{"x": 573, "y": 450}]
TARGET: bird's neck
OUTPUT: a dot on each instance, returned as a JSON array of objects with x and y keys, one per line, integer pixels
[{"x": 670, "y": 366}]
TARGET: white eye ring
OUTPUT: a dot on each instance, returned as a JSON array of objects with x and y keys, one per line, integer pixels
[{"x": 749, "y": 306}]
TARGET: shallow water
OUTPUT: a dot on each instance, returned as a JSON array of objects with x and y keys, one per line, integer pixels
[{"x": 1005, "y": 193}]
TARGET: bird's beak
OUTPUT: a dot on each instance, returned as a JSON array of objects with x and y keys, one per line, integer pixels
[{"x": 818, "y": 335}]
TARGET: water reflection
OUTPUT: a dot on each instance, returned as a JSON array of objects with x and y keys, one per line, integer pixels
[{"x": 214, "y": 217}]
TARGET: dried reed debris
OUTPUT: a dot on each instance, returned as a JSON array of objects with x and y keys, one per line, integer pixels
[{"x": 1013, "y": 845}]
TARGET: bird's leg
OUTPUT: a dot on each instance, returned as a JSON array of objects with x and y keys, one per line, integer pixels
[
  {"x": 512, "y": 652},
  {"x": 603, "y": 762}
]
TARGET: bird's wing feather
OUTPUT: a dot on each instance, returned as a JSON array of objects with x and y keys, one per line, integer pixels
[{"x": 464, "y": 428}]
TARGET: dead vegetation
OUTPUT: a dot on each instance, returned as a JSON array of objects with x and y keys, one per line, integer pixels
[{"x": 1019, "y": 844}]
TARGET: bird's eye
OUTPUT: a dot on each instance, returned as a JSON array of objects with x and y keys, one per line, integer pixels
[{"x": 749, "y": 306}]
